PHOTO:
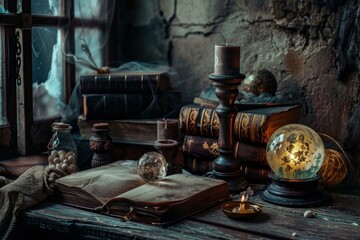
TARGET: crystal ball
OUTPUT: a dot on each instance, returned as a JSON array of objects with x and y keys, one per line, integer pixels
[
  {"x": 152, "y": 167},
  {"x": 295, "y": 151}
]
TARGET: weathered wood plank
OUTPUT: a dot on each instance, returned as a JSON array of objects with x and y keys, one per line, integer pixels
[
  {"x": 75, "y": 222},
  {"x": 340, "y": 220}
]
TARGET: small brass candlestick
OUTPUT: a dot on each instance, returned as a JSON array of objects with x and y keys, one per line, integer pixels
[
  {"x": 241, "y": 210},
  {"x": 100, "y": 143},
  {"x": 226, "y": 79}
]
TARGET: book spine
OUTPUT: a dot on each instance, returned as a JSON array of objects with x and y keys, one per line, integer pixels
[
  {"x": 203, "y": 121},
  {"x": 198, "y": 166},
  {"x": 130, "y": 106},
  {"x": 123, "y": 131},
  {"x": 250, "y": 127},
  {"x": 208, "y": 148},
  {"x": 194, "y": 120},
  {"x": 248, "y": 153},
  {"x": 200, "y": 147},
  {"x": 254, "y": 174},
  {"x": 141, "y": 83}
]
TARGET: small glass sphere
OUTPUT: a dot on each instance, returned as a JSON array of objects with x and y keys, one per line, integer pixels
[
  {"x": 152, "y": 167},
  {"x": 295, "y": 151}
]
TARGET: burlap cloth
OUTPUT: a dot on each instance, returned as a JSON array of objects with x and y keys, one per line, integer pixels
[{"x": 29, "y": 189}]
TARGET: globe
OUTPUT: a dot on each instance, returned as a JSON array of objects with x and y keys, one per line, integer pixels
[
  {"x": 152, "y": 167},
  {"x": 295, "y": 151}
]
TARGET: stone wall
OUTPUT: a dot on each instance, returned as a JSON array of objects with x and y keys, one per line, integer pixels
[{"x": 293, "y": 39}]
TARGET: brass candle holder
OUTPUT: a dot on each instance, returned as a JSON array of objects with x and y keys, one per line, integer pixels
[{"x": 241, "y": 210}]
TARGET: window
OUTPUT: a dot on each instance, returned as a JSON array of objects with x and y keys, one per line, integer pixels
[{"x": 45, "y": 45}]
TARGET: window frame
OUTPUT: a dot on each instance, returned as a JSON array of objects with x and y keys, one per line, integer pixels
[
  {"x": 8, "y": 131},
  {"x": 28, "y": 136}
]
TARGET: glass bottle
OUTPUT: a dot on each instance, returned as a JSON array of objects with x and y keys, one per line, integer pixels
[{"x": 62, "y": 148}]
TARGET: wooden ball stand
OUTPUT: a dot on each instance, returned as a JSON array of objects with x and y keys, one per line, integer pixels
[{"x": 295, "y": 193}]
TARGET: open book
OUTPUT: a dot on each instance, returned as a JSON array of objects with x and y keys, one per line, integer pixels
[{"x": 117, "y": 189}]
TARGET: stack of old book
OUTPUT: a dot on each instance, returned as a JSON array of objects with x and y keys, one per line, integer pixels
[
  {"x": 130, "y": 102},
  {"x": 127, "y": 95},
  {"x": 252, "y": 129}
]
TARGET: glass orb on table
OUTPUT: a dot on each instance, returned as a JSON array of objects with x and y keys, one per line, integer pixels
[
  {"x": 295, "y": 151},
  {"x": 295, "y": 154},
  {"x": 152, "y": 167}
]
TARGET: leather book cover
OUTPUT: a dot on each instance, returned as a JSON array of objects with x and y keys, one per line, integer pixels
[
  {"x": 251, "y": 125},
  {"x": 208, "y": 148},
  {"x": 124, "y": 82},
  {"x": 130, "y": 105}
]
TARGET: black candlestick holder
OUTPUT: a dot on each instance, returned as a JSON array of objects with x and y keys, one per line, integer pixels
[{"x": 225, "y": 166}]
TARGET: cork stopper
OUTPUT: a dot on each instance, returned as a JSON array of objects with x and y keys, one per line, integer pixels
[
  {"x": 100, "y": 127},
  {"x": 60, "y": 126}
]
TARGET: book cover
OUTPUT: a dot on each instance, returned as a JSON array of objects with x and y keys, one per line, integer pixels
[
  {"x": 211, "y": 103},
  {"x": 250, "y": 125},
  {"x": 253, "y": 174},
  {"x": 197, "y": 120},
  {"x": 130, "y": 105},
  {"x": 124, "y": 82},
  {"x": 208, "y": 148},
  {"x": 123, "y": 131},
  {"x": 116, "y": 189}
]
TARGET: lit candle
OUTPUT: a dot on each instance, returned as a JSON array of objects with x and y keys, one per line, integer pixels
[{"x": 227, "y": 60}]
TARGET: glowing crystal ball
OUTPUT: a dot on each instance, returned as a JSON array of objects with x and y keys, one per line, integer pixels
[
  {"x": 152, "y": 167},
  {"x": 295, "y": 151}
]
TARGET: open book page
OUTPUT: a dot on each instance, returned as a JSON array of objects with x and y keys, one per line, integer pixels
[
  {"x": 171, "y": 190},
  {"x": 172, "y": 199},
  {"x": 102, "y": 182},
  {"x": 118, "y": 190}
]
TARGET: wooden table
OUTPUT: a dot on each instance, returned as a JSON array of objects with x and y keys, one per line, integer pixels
[{"x": 338, "y": 220}]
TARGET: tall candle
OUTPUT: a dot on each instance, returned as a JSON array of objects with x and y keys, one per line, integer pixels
[{"x": 227, "y": 60}]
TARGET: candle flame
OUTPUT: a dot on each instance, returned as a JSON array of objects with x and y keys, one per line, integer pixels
[{"x": 242, "y": 207}]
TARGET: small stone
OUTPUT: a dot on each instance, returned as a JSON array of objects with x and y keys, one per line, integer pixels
[
  {"x": 294, "y": 234},
  {"x": 309, "y": 214}
]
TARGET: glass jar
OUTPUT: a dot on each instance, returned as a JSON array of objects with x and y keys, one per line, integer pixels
[{"x": 62, "y": 148}]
